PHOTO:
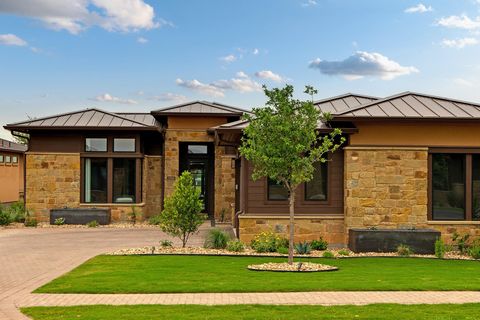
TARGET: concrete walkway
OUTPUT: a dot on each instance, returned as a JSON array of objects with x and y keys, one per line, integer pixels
[{"x": 31, "y": 257}]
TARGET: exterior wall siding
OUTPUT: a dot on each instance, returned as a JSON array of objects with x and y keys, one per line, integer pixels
[{"x": 11, "y": 178}]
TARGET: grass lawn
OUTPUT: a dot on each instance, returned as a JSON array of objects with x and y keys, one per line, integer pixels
[
  {"x": 233, "y": 312},
  {"x": 167, "y": 274}
]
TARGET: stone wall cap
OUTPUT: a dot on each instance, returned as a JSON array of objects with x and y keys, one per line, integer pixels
[
  {"x": 450, "y": 222},
  {"x": 299, "y": 216},
  {"x": 374, "y": 148}
]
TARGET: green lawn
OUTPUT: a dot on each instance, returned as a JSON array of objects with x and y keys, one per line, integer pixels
[
  {"x": 234, "y": 312},
  {"x": 157, "y": 274}
]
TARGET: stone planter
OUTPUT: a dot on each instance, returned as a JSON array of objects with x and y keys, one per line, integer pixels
[
  {"x": 81, "y": 215},
  {"x": 421, "y": 241}
]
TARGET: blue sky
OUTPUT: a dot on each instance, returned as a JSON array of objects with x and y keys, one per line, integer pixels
[{"x": 139, "y": 55}]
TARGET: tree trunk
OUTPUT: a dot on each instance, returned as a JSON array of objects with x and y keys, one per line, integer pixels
[{"x": 291, "y": 198}]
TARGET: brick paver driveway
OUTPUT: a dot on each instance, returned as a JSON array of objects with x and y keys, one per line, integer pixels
[{"x": 32, "y": 257}]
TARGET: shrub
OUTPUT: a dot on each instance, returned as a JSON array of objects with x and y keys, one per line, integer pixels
[
  {"x": 216, "y": 239},
  {"x": 166, "y": 243},
  {"x": 319, "y": 244},
  {"x": 474, "y": 251},
  {"x": 404, "y": 250},
  {"x": 344, "y": 252},
  {"x": 17, "y": 211},
  {"x": 440, "y": 248},
  {"x": 154, "y": 220},
  {"x": 303, "y": 248},
  {"x": 59, "y": 221},
  {"x": 461, "y": 242},
  {"x": 5, "y": 218},
  {"x": 30, "y": 222},
  {"x": 235, "y": 246},
  {"x": 92, "y": 224},
  {"x": 268, "y": 242},
  {"x": 282, "y": 250},
  {"x": 181, "y": 216},
  {"x": 328, "y": 254},
  {"x": 133, "y": 215}
]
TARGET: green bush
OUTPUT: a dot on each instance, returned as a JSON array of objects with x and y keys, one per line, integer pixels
[
  {"x": 92, "y": 224},
  {"x": 404, "y": 250},
  {"x": 155, "y": 220},
  {"x": 181, "y": 216},
  {"x": 235, "y": 246},
  {"x": 59, "y": 221},
  {"x": 216, "y": 239},
  {"x": 166, "y": 243},
  {"x": 474, "y": 251},
  {"x": 303, "y": 248},
  {"x": 268, "y": 242},
  {"x": 30, "y": 222},
  {"x": 461, "y": 242},
  {"x": 328, "y": 254},
  {"x": 319, "y": 244},
  {"x": 344, "y": 252},
  {"x": 440, "y": 248},
  {"x": 16, "y": 211},
  {"x": 282, "y": 250},
  {"x": 5, "y": 218}
]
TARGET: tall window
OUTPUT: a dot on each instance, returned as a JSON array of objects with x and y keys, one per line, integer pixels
[
  {"x": 448, "y": 186},
  {"x": 124, "y": 180},
  {"x": 95, "y": 180},
  {"x": 476, "y": 187},
  {"x": 276, "y": 191},
  {"x": 316, "y": 189}
]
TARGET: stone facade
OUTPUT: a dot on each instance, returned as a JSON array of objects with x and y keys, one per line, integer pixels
[
  {"x": 152, "y": 185},
  {"x": 224, "y": 174},
  {"x": 330, "y": 228},
  {"x": 386, "y": 187}
]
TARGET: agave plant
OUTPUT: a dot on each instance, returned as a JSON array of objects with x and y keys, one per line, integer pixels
[{"x": 303, "y": 247}]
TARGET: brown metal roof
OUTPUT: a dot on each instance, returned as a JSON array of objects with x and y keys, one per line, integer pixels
[
  {"x": 10, "y": 146},
  {"x": 145, "y": 118},
  {"x": 343, "y": 102},
  {"x": 86, "y": 119},
  {"x": 411, "y": 105},
  {"x": 200, "y": 108}
]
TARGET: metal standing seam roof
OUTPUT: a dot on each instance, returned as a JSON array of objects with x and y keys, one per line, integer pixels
[
  {"x": 145, "y": 118},
  {"x": 411, "y": 105},
  {"x": 343, "y": 102},
  {"x": 89, "y": 118},
  {"x": 201, "y": 107},
  {"x": 10, "y": 146}
]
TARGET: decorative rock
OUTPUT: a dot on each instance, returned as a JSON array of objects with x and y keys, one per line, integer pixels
[{"x": 295, "y": 267}]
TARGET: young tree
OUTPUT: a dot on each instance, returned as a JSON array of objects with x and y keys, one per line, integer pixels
[
  {"x": 181, "y": 216},
  {"x": 283, "y": 143}
]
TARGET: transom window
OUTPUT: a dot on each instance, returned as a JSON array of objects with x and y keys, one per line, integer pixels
[
  {"x": 14, "y": 159},
  {"x": 124, "y": 145},
  {"x": 8, "y": 159},
  {"x": 96, "y": 144}
]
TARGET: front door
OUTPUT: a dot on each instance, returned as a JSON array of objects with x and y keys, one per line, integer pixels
[{"x": 198, "y": 159}]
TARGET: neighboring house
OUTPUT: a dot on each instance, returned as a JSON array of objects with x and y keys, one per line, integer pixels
[
  {"x": 11, "y": 171},
  {"x": 410, "y": 161}
]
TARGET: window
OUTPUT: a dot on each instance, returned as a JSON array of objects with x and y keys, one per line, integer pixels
[
  {"x": 7, "y": 159},
  {"x": 124, "y": 180},
  {"x": 95, "y": 180},
  {"x": 1, "y": 159},
  {"x": 14, "y": 159},
  {"x": 448, "y": 186},
  {"x": 124, "y": 145},
  {"x": 276, "y": 191},
  {"x": 476, "y": 187},
  {"x": 96, "y": 144},
  {"x": 197, "y": 149},
  {"x": 316, "y": 189}
]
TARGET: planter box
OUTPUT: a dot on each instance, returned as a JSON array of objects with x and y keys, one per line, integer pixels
[
  {"x": 81, "y": 216},
  {"x": 421, "y": 241}
]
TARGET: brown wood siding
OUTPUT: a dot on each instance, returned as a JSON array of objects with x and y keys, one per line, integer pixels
[{"x": 256, "y": 194}]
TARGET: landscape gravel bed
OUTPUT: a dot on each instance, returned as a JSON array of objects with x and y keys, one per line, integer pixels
[
  {"x": 295, "y": 267},
  {"x": 249, "y": 252}
]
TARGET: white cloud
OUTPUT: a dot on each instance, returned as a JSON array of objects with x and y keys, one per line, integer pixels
[
  {"x": 419, "y": 8},
  {"x": 463, "y": 82},
  {"x": 309, "y": 3},
  {"x": 228, "y": 59},
  {"x": 241, "y": 74},
  {"x": 75, "y": 16},
  {"x": 269, "y": 75},
  {"x": 203, "y": 88},
  {"x": 142, "y": 40},
  {"x": 362, "y": 64},
  {"x": 170, "y": 97},
  {"x": 460, "y": 22},
  {"x": 255, "y": 51},
  {"x": 459, "y": 43},
  {"x": 109, "y": 98},
  {"x": 240, "y": 84},
  {"x": 12, "y": 40}
]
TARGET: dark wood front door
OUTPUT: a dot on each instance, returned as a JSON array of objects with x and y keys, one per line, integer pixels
[{"x": 198, "y": 158}]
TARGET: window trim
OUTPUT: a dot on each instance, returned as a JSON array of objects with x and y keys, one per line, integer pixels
[{"x": 468, "y": 152}]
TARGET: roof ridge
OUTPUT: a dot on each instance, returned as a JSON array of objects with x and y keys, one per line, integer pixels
[
  {"x": 344, "y": 95},
  {"x": 208, "y": 103}
]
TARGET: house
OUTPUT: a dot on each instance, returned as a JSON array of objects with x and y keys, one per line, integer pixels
[
  {"x": 410, "y": 161},
  {"x": 11, "y": 171}
]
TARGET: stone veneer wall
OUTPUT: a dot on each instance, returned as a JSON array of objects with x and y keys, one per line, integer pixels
[
  {"x": 330, "y": 228},
  {"x": 53, "y": 181},
  {"x": 224, "y": 175}
]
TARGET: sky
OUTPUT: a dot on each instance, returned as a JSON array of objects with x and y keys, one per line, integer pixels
[{"x": 139, "y": 55}]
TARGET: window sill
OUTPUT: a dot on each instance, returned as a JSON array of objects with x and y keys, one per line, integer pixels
[
  {"x": 142, "y": 204},
  {"x": 453, "y": 222}
]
